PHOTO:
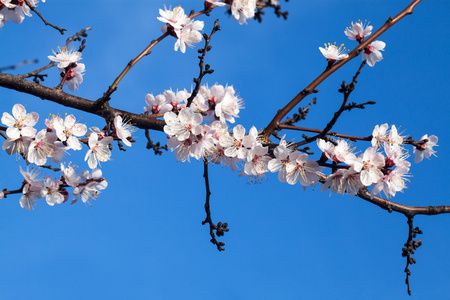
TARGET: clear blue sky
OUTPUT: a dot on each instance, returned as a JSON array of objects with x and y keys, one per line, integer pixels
[{"x": 143, "y": 238}]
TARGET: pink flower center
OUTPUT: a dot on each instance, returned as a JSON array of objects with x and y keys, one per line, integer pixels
[
  {"x": 359, "y": 37},
  {"x": 155, "y": 109},
  {"x": 368, "y": 50},
  {"x": 70, "y": 75}
]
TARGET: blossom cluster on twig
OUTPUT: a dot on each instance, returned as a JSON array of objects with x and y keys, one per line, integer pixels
[
  {"x": 51, "y": 143},
  {"x": 15, "y": 10}
]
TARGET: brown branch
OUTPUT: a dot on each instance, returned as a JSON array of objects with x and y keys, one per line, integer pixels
[
  {"x": 204, "y": 70},
  {"x": 354, "y": 53},
  {"x": 61, "y": 30},
  {"x": 113, "y": 87},
  {"x": 23, "y": 63},
  {"x": 319, "y": 131},
  {"x": 391, "y": 206},
  {"x": 410, "y": 247},
  {"x": 220, "y": 228},
  {"x": 58, "y": 96},
  {"x": 77, "y": 36}
]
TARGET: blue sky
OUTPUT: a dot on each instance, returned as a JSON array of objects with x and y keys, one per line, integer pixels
[{"x": 143, "y": 238}]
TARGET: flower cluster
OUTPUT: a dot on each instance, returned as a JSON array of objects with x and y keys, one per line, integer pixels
[
  {"x": 51, "y": 143},
  {"x": 216, "y": 102},
  {"x": 383, "y": 165},
  {"x": 190, "y": 137},
  {"x": 183, "y": 28},
  {"x": 87, "y": 186},
  {"x": 71, "y": 71},
  {"x": 15, "y": 10},
  {"x": 358, "y": 31}
]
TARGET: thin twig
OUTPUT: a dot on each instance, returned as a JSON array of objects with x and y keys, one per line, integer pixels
[
  {"x": 23, "y": 63},
  {"x": 61, "y": 30},
  {"x": 220, "y": 228},
  {"x": 203, "y": 69},
  {"x": 113, "y": 87},
  {"x": 156, "y": 147}
]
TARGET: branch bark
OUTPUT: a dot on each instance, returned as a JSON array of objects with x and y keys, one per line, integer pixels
[{"x": 103, "y": 110}]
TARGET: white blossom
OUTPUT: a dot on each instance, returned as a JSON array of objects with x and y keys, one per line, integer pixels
[
  {"x": 358, "y": 31},
  {"x": 372, "y": 53},
  {"x": 65, "y": 57},
  {"x": 21, "y": 123},
  {"x": 333, "y": 53},
  {"x": 68, "y": 130},
  {"x": 426, "y": 149},
  {"x": 98, "y": 150},
  {"x": 123, "y": 130},
  {"x": 42, "y": 147},
  {"x": 74, "y": 76}
]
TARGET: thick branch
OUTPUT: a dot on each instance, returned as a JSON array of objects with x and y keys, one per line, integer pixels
[
  {"x": 58, "y": 96},
  {"x": 354, "y": 53}
]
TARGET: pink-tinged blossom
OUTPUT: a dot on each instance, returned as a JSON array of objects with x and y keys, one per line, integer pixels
[
  {"x": 60, "y": 150},
  {"x": 426, "y": 149},
  {"x": 222, "y": 101},
  {"x": 176, "y": 18},
  {"x": 369, "y": 164},
  {"x": 52, "y": 192},
  {"x": 31, "y": 176},
  {"x": 379, "y": 134},
  {"x": 203, "y": 143},
  {"x": 333, "y": 53},
  {"x": 70, "y": 176},
  {"x": 326, "y": 147},
  {"x": 278, "y": 164},
  {"x": 351, "y": 182},
  {"x": 74, "y": 76},
  {"x": 229, "y": 107},
  {"x": 31, "y": 190},
  {"x": 334, "y": 182},
  {"x": 393, "y": 137},
  {"x": 42, "y": 147},
  {"x": 182, "y": 148},
  {"x": 339, "y": 153},
  {"x": 20, "y": 123},
  {"x": 392, "y": 182},
  {"x": 257, "y": 159},
  {"x": 157, "y": 105},
  {"x": 372, "y": 53},
  {"x": 91, "y": 187},
  {"x": 20, "y": 145},
  {"x": 123, "y": 130},
  {"x": 30, "y": 195},
  {"x": 68, "y": 130},
  {"x": 98, "y": 150},
  {"x": 358, "y": 31},
  {"x": 300, "y": 169},
  {"x": 184, "y": 124},
  {"x": 242, "y": 10},
  {"x": 189, "y": 35},
  {"x": 65, "y": 57},
  {"x": 396, "y": 156},
  {"x": 175, "y": 99},
  {"x": 234, "y": 145},
  {"x": 16, "y": 12}
]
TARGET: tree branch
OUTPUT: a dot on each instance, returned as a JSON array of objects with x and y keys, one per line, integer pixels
[
  {"x": 354, "y": 53},
  {"x": 58, "y": 96}
]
